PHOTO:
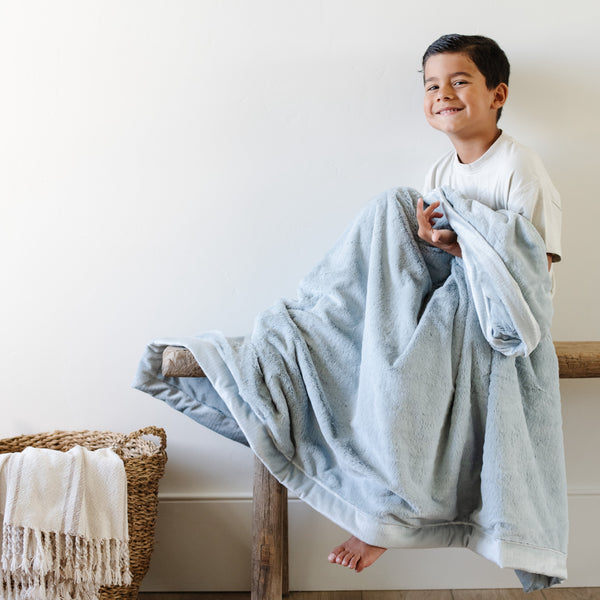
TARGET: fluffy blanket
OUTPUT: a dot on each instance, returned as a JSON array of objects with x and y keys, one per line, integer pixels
[
  {"x": 64, "y": 528},
  {"x": 410, "y": 397}
]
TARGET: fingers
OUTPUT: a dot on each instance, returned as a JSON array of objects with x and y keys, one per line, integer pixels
[
  {"x": 429, "y": 214},
  {"x": 445, "y": 239},
  {"x": 426, "y": 220},
  {"x": 430, "y": 210}
]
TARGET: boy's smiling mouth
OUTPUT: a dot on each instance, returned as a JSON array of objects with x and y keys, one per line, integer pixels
[{"x": 448, "y": 111}]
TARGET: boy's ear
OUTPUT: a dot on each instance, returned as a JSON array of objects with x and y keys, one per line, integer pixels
[{"x": 500, "y": 95}]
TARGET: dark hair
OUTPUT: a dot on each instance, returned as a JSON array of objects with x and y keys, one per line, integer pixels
[{"x": 483, "y": 51}]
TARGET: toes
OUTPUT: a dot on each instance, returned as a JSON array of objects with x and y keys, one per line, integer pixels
[
  {"x": 337, "y": 555},
  {"x": 345, "y": 557},
  {"x": 351, "y": 560}
]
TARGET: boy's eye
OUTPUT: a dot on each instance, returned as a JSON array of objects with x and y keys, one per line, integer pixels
[
  {"x": 432, "y": 88},
  {"x": 460, "y": 83}
]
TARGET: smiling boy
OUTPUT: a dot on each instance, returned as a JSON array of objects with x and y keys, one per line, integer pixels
[{"x": 466, "y": 86}]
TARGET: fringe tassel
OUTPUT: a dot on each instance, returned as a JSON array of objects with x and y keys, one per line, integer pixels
[{"x": 38, "y": 565}]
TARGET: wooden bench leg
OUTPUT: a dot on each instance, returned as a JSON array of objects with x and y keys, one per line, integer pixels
[{"x": 269, "y": 537}]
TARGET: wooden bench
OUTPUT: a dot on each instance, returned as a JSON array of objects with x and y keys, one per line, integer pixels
[{"x": 270, "y": 580}]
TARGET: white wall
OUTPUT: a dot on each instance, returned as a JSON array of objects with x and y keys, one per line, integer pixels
[{"x": 170, "y": 166}]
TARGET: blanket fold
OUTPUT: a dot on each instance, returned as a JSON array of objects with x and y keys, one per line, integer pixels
[
  {"x": 64, "y": 531},
  {"x": 410, "y": 397}
]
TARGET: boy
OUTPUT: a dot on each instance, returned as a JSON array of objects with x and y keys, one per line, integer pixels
[{"x": 466, "y": 86}]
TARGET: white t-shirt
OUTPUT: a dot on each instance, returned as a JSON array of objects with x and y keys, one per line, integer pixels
[{"x": 508, "y": 176}]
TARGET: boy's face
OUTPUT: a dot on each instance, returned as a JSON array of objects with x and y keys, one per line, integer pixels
[{"x": 457, "y": 100}]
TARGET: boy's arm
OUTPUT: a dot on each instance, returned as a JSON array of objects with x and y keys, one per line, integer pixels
[{"x": 445, "y": 239}]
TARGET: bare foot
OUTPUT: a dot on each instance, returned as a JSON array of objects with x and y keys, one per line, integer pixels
[{"x": 355, "y": 554}]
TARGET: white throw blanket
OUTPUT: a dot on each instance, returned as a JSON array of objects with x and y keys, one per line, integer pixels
[{"x": 64, "y": 530}]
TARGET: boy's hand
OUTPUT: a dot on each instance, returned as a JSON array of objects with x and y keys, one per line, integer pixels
[{"x": 445, "y": 239}]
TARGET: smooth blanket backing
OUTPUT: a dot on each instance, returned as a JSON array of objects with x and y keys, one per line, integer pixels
[{"x": 409, "y": 396}]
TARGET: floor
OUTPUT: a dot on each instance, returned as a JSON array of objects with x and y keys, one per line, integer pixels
[{"x": 509, "y": 594}]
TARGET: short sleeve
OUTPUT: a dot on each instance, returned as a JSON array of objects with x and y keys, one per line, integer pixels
[{"x": 539, "y": 201}]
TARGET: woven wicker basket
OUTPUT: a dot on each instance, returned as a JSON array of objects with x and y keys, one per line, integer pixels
[{"x": 144, "y": 465}]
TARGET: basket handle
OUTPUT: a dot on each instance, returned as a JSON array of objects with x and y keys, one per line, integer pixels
[{"x": 151, "y": 430}]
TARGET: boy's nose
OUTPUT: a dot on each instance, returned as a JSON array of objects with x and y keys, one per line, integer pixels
[{"x": 444, "y": 93}]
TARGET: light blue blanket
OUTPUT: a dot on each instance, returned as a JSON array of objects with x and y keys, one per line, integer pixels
[{"x": 408, "y": 396}]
